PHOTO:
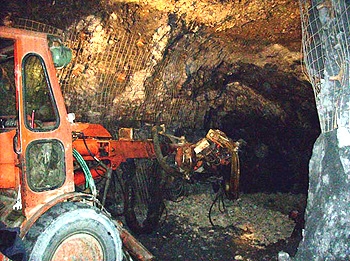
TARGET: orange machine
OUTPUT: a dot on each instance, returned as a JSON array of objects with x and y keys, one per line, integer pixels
[
  {"x": 48, "y": 162},
  {"x": 37, "y": 189}
]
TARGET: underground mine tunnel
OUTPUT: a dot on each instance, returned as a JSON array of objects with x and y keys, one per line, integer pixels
[
  {"x": 239, "y": 72},
  {"x": 193, "y": 66}
]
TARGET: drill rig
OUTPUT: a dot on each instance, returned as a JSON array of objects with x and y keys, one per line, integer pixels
[
  {"x": 58, "y": 177},
  {"x": 144, "y": 169}
]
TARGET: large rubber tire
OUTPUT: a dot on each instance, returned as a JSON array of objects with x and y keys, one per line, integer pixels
[
  {"x": 73, "y": 231},
  {"x": 143, "y": 195}
]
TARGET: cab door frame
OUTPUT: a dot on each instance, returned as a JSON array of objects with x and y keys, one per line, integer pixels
[{"x": 27, "y": 42}]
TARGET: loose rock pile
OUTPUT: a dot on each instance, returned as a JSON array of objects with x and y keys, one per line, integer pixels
[{"x": 255, "y": 227}]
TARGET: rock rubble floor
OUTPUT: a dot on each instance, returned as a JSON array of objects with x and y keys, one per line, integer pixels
[{"x": 255, "y": 227}]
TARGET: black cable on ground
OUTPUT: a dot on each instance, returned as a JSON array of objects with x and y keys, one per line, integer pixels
[{"x": 219, "y": 197}]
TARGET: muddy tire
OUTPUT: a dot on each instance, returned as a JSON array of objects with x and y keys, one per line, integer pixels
[
  {"x": 73, "y": 231},
  {"x": 143, "y": 196}
]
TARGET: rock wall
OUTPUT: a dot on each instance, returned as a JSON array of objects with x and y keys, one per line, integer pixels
[
  {"x": 232, "y": 65},
  {"x": 327, "y": 229}
]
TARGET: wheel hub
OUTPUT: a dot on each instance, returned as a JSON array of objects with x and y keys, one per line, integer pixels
[{"x": 79, "y": 247}]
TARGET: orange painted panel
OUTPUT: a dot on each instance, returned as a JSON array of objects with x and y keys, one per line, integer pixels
[
  {"x": 91, "y": 130},
  {"x": 8, "y": 171}
]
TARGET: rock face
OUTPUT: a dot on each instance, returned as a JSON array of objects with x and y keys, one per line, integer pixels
[
  {"x": 194, "y": 65},
  {"x": 327, "y": 228},
  {"x": 255, "y": 96}
]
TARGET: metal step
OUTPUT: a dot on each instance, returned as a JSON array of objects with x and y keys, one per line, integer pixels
[{"x": 8, "y": 215}]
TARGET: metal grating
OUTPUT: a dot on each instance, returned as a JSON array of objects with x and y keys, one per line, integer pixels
[{"x": 325, "y": 26}]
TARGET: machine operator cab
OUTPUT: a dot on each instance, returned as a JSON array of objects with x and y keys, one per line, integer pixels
[{"x": 34, "y": 131}]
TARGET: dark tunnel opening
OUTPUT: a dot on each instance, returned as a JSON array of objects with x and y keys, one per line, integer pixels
[{"x": 278, "y": 147}]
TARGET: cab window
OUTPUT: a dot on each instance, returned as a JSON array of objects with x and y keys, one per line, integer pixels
[
  {"x": 40, "y": 109},
  {"x": 7, "y": 86}
]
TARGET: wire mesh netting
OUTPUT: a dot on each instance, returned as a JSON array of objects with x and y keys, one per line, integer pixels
[
  {"x": 37, "y": 26},
  {"x": 325, "y": 26},
  {"x": 106, "y": 79},
  {"x": 102, "y": 69}
]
